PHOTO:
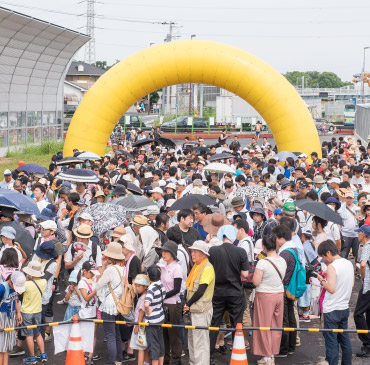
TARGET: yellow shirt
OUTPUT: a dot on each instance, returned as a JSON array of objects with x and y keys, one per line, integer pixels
[{"x": 32, "y": 298}]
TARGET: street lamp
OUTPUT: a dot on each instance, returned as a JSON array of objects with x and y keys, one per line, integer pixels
[{"x": 363, "y": 73}]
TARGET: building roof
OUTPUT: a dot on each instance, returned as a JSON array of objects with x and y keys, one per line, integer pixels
[
  {"x": 75, "y": 85},
  {"x": 86, "y": 69},
  {"x": 34, "y": 55}
]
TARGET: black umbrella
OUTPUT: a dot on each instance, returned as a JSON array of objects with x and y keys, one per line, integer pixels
[
  {"x": 142, "y": 142},
  {"x": 166, "y": 142},
  {"x": 68, "y": 161},
  {"x": 220, "y": 156},
  {"x": 297, "y": 153},
  {"x": 134, "y": 189},
  {"x": 134, "y": 203},
  {"x": 79, "y": 175},
  {"x": 126, "y": 153},
  {"x": 188, "y": 201},
  {"x": 319, "y": 209},
  {"x": 22, "y": 236}
]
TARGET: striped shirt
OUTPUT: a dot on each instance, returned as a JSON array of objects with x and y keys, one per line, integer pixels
[{"x": 155, "y": 296}]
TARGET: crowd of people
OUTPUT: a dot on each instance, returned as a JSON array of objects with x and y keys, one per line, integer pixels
[{"x": 233, "y": 256}]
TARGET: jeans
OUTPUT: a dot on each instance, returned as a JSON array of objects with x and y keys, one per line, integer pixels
[
  {"x": 362, "y": 309},
  {"x": 288, "y": 339},
  {"x": 333, "y": 320},
  {"x": 235, "y": 305},
  {"x": 348, "y": 243},
  {"x": 113, "y": 335}
]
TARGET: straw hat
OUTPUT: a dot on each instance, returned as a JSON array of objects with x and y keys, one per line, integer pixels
[
  {"x": 118, "y": 232},
  {"x": 83, "y": 231},
  {"x": 100, "y": 193},
  {"x": 213, "y": 222},
  {"x": 141, "y": 279},
  {"x": 140, "y": 221},
  {"x": 34, "y": 268},
  {"x": 114, "y": 251}
]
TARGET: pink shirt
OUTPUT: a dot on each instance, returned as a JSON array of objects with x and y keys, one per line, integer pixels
[{"x": 169, "y": 273}]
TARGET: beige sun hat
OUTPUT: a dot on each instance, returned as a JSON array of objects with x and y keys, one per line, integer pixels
[
  {"x": 200, "y": 246},
  {"x": 34, "y": 268},
  {"x": 114, "y": 251},
  {"x": 127, "y": 242},
  {"x": 118, "y": 232}
]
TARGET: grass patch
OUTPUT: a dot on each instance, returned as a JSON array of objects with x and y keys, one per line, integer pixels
[{"x": 39, "y": 154}]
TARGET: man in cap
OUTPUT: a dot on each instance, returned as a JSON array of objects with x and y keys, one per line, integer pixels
[
  {"x": 151, "y": 213},
  {"x": 303, "y": 158},
  {"x": 200, "y": 284},
  {"x": 180, "y": 188},
  {"x": 134, "y": 228},
  {"x": 256, "y": 175},
  {"x": 229, "y": 262},
  {"x": 363, "y": 299},
  {"x": 238, "y": 206},
  {"x": 334, "y": 184},
  {"x": 8, "y": 181},
  {"x": 157, "y": 195},
  {"x": 350, "y": 217}
]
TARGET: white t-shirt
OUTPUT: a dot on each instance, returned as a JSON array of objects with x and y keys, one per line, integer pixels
[
  {"x": 247, "y": 245},
  {"x": 86, "y": 257},
  {"x": 271, "y": 282},
  {"x": 41, "y": 204},
  {"x": 88, "y": 309},
  {"x": 332, "y": 231},
  {"x": 343, "y": 287}
]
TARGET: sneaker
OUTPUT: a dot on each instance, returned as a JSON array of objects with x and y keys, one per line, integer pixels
[
  {"x": 365, "y": 352},
  {"x": 303, "y": 318},
  {"x": 43, "y": 357},
  {"x": 61, "y": 301},
  {"x": 290, "y": 352},
  {"x": 129, "y": 357},
  {"x": 48, "y": 337},
  {"x": 297, "y": 342},
  {"x": 263, "y": 361},
  {"x": 89, "y": 361},
  {"x": 281, "y": 355},
  {"x": 222, "y": 349},
  {"x": 17, "y": 351},
  {"x": 183, "y": 353},
  {"x": 30, "y": 360},
  {"x": 96, "y": 357}
]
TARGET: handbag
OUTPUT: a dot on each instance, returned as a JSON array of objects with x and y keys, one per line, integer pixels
[
  {"x": 252, "y": 268},
  {"x": 166, "y": 311},
  {"x": 141, "y": 337}
]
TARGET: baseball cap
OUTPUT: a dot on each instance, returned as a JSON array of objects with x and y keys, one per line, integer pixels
[
  {"x": 289, "y": 208},
  {"x": 303, "y": 184},
  {"x": 255, "y": 173},
  {"x": 247, "y": 166},
  {"x": 156, "y": 190},
  {"x": 302, "y": 155},
  {"x": 364, "y": 229},
  {"x": 49, "y": 224},
  {"x": 278, "y": 211},
  {"x": 8, "y": 232},
  {"x": 334, "y": 180},
  {"x": 148, "y": 189},
  {"x": 19, "y": 281},
  {"x": 140, "y": 157},
  {"x": 181, "y": 182},
  {"x": 86, "y": 216},
  {"x": 7, "y": 172},
  {"x": 349, "y": 194}
]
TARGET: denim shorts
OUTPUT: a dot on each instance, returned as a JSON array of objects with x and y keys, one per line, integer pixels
[{"x": 30, "y": 319}]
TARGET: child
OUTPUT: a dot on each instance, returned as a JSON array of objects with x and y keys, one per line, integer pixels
[
  {"x": 73, "y": 296},
  {"x": 87, "y": 289},
  {"x": 9, "y": 263},
  {"x": 141, "y": 284},
  {"x": 31, "y": 310},
  {"x": 154, "y": 314},
  {"x": 9, "y": 311}
]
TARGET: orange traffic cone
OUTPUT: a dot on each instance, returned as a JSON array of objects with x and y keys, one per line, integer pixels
[
  {"x": 109, "y": 143},
  {"x": 75, "y": 354},
  {"x": 239, "y": 355}
]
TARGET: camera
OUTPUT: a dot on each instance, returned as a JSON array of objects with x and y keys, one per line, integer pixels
[{"x": 312, "y": 270}]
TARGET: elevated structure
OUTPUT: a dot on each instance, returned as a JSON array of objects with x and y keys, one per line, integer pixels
[{"x": 34, "y": 56}]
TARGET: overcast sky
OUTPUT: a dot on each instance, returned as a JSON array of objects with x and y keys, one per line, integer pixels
[{"x": 291, "y": 35}]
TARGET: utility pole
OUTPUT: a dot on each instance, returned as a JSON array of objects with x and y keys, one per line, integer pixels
[
  {"x": 90, "y": 56},
  {"x": 190, "y": 85}
]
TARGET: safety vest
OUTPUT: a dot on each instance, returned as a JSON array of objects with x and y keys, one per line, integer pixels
[{"x": 205, "y": 302}]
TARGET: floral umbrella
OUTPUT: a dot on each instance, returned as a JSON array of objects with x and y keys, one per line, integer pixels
[
  {"x": 106, "y": 217},
  {"x": 254, "y": 191}
]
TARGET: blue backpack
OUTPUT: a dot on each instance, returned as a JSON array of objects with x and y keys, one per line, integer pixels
[{"x": 297, "y": 285}]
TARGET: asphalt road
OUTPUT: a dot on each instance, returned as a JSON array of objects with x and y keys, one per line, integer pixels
[{"x": 311, "y": 351}]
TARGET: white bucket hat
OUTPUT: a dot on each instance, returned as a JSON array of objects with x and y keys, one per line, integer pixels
[
  {"x": 200, "y": 246},
  {"x": 127, "y": 242},
  {"x": 34, "y": 268}
]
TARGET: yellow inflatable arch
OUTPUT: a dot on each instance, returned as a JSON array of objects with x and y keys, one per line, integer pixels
[{"x": 198, "y": 62}]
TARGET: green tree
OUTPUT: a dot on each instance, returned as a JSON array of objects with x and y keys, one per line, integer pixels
[
  {"x": 315, "y": 79},
  {"x": 102, "y": 64}
]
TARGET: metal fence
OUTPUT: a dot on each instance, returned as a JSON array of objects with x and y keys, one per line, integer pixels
[{"x": 363, "y": 121}]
